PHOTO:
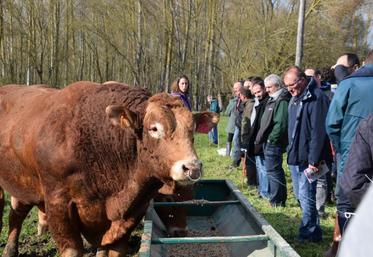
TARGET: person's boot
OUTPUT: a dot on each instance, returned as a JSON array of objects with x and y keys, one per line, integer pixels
[
  {"x": 332, "y": 251},
  {"x": 228, "y": 149}
]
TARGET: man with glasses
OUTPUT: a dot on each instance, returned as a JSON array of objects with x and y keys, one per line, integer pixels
[{"x": 308, "y": 145}]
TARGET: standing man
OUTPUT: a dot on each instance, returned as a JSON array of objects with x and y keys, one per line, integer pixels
[
  {"x": 272, "y": 135},
  {"x": 261, "y": 98},
  {"x": 214, "y": 107},
  {"x": 249, "y": 161},
  {"x": 351, "y": 103},
  {"x": 324, "y": 183},
  {"x": 258, "y": 90},
  {"x": 308, "y": 145},
  {"x": 230, "y": 112}
]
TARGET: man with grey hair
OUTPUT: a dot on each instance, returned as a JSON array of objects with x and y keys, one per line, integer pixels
[{"x": 272, "y": 135}]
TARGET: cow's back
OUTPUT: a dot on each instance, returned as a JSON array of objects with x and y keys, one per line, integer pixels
[
  {"x": 48, "y": 134},
  {"x": 19, "y": 106}
]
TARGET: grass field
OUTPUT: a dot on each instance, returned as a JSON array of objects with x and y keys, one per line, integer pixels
[{"x": 284, "y": 219}]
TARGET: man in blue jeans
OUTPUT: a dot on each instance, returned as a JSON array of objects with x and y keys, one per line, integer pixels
[
  {"x": 272, "y": 135},
  {"x": 308, "y": 144}
]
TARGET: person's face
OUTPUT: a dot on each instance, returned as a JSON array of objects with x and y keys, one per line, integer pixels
[
  {"x": 311, "y": 73},
  {"x": 236, "y": 89},
  {"x": 271, "y": 88},
  {"x": 294, "y": 84},
  {"x": 249, "y": 85},
  {"x": 209, "y": 98},
  {"x": 259, "y": 92},
  {"x": 242, "y": 97},
  {"x": 183, "y": 85}
]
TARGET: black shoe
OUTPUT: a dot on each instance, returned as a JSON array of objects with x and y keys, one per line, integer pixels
[
  {"x": 323, "y": 215},
  {"x": 236, "y": 163}
]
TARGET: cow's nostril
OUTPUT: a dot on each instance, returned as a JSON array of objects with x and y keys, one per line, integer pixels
[{"x": 185, "y": 168}]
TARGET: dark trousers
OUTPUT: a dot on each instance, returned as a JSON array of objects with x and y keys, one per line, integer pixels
[
  {"x": 343, "y": 203},
  {"x": 251, "y": 170},
  {"x": 275, "y": 173}
]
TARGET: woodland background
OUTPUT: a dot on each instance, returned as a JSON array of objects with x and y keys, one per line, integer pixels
[{"x": 149, "y": 43}]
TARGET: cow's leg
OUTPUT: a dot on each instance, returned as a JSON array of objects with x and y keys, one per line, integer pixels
[
  {"x": 102, "y": 252},
  {"x": 61, "y": 219},
  {"x": 2, "y": 203},
  {"x": 17, "y": 215},
  {"x": 119, "y": 248}
]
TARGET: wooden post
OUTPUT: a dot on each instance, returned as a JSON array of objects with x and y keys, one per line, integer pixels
[{"x": 300, "y": 33}]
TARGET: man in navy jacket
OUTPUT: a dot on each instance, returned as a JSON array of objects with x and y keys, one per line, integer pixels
[{"x": 308, "y": 144}]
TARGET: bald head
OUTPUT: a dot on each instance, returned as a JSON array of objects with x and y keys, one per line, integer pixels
[
  {"x": 309, "y": 72},
  {"x": 236, "y": 88}
]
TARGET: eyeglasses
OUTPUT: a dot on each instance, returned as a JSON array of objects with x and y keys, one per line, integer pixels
[{"x": 294, "y": 84}]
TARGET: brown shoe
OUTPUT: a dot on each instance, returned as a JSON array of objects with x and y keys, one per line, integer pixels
[{"x": 332, "y": 251}]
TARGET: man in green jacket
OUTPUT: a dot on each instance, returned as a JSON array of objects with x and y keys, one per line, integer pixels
[{"x": 272, "y": 136}]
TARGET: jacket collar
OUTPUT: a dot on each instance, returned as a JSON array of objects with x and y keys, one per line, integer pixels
[{"x": 277, "y": 94}]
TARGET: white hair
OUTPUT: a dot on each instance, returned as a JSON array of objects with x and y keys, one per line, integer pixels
[{"x": 274, "y": 79}]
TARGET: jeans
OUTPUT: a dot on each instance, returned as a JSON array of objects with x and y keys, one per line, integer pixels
[
  {"x": 294, "y": 179},
  {"x": 213, "y": 135},
  {"x": 262, "y": 178},
  {"x": 236, "y": 149},
  {"x": 275, "y": 173},
  {"x": 321, "y": 193},
  {"x": 310, "y": 224}
]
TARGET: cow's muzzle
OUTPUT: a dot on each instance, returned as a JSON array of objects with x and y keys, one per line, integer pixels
[
  {"x": 193, "y": 170},
  {"x": 187, "y": 170}
]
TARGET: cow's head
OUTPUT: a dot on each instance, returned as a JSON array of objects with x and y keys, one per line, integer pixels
[{"x": 166, "y": 135}]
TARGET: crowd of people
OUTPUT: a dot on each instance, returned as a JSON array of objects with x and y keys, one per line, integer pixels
[{"x": 311, "y": 115}]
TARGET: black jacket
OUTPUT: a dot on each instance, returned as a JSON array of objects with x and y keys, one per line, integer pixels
[
  {"x": 259, "y": 109},
  {"x": 358, "y": 171}
]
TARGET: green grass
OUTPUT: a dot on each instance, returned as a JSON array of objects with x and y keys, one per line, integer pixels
[{"x": 284, "y": 219}]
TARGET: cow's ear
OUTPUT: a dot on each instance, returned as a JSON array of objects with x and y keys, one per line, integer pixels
[
  {"x": 205, "y": 121},
  {"x": 121, "y": 116}
]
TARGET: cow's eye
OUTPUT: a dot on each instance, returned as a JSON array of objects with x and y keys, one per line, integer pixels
[{"x": 156, "y": 130}]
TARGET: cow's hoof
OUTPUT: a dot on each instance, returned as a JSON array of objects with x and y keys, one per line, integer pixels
[
  {"x": 42, "y": 229},
  {"x": 102, "y": 253},
  {"x": 10, "y": 250},
  {"x": 69, "y": 252}
]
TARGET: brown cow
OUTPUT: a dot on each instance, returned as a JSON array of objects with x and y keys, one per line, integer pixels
[{"x": 93, "y": 156}]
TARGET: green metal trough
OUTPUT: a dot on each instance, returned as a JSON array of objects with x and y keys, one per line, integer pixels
[{"x": 220, "y": 221}]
